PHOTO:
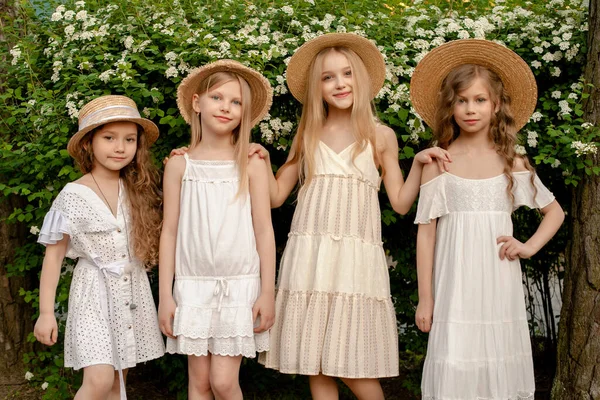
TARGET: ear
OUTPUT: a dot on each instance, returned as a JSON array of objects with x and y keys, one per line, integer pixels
[
  {"x": 497, "y": 108},
  {"x": 196, "y": 103}
]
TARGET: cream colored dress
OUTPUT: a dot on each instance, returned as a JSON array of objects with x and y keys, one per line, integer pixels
[
  {"x": 334, "y": 312},
  {"x": 479, "y": 346}
]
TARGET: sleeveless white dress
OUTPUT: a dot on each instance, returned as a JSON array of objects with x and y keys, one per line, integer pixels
[
  {"x": 479, "y": 346},
  {"x": 217, "y": 267},
  {"x": 334, "y": 312}
]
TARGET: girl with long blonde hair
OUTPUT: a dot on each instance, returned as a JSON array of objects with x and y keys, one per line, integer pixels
[
  {"x": 334, "y": 311},
  {"x": 217, "y": 240}
]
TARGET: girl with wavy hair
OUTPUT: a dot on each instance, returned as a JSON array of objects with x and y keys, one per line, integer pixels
[
  {"x": 109, "y": 219},
  {"x": 476, "y": 95},
  {"x": 334, "y": 311}
]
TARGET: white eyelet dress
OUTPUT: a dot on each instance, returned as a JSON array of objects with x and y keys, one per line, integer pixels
[
  {"x": 334, "y": 312},
  {"x": 217, "y": 267},
  {"x": 479, "y": 345},
  {"x": 111, "y": 317}
]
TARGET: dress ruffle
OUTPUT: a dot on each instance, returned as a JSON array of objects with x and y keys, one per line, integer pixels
[
  {"x": 55, "y": 225},
  {"x": 346, "y": 335}
]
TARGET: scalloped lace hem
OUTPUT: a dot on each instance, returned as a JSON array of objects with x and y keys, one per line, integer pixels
[{"x": 247, "y": 347}]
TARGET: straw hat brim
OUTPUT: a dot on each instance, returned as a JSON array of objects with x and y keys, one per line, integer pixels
[
  {"x": 262, "y": 92},
  {"x": 299, "y": 65},
  {"x": 517, "y": 77},
  {"x": 149, "y": 127}
]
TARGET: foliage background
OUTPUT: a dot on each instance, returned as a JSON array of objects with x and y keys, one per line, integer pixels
[{"x": 59, "y": 56}]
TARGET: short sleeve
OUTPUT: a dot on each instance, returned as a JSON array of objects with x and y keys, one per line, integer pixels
[
  {"x": 432, "y": 201},
  {"x": 54, "y": 227},
  {"x": 56, "y": 222},
  {"x": 532, "y": 196}
]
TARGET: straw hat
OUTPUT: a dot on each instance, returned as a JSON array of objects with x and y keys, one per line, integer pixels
[
  {"x": 298, "y": 67},
  {"x": 106, "y": 109},
  {"x": 516, "y": 76},
  {"x": 262, "y": 93}
]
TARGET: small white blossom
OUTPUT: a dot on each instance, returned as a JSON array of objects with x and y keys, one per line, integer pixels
[
  {"x": 171, "y": 72},
  {"x": 391, "y": 262},
  {"x": 69, "y": 15},
  {"x": 532, "y": 138},
  {"x": 573, "y": 96},
  {"x": 555, "y": 71},
  {"x": 548, "y": 57},
  {"x": 556, "y": 94},
  {"x": 128, "y": 42},
  {"x": 520, "y": 150},
  {"x": 81, "y": 15},
  {"x": 463, "y": 34},
  {"x": 105, "y": 76},
  {"x": 171, "y": 56},
  {"x": 587, "y": 125},
  {"x": 582, "y": 149},
  {"x": 538, "y": 49},
  {"x": 80, "y": 4},
  {"x": 287, "y": 10},
  {"x": 16, "y": 53},
  {"x": 56, "y": 16},
  {"x": 536, "y": 116},
  {"x": 29, "y": 375},
  {"x": 536, "y": 64},
  {"x": 564, "y": 107},
  {"x": 69, "y": 30},
  {"x": 44, "y": 385},
  {"x": 34, "y": 230},
  {"x": 555, "y": 164},
  {"x": 146, "y": 112}
]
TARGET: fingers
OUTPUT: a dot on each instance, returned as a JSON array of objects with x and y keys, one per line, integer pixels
[
  {"x": 167, "y": 330},
  {"x": 510, "y": 249},
  {"x": 423, "y": 323},
  {"x": 53, "y": 336}
]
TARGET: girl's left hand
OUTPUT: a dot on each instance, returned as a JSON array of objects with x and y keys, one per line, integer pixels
[
  {"x": 513, "y": 249},
  {"x": 442, "y": 157},
  {"x": 265, "y": 308}
]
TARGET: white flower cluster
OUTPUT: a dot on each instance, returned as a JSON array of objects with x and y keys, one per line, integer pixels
[
  {"x": 582, "y": 149},
  {"x": 520, "y": 150},
  {"x": 532, "y": 138},
  {"x": 16, "y": 53}
]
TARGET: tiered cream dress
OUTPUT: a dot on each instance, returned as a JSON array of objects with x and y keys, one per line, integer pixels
[
  {"x": 479, "y": 346},
  {"x": 334, "y": 312}
]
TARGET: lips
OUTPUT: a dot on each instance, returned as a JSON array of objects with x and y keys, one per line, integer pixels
[
  {"x": 342, "y": 95},
  {"x": 222, "y": 118},
  {"x": 471, "y": 121}
]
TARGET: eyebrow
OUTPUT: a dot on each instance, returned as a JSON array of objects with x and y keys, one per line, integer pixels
[{"x": 343, "y": 69}]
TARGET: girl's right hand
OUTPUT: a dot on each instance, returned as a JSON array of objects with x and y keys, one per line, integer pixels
[
  {"x": 424, "y": 315},
  {"x": 442, "y": 157},
  {"x": 166, "y": 314},
  {"x": 176, "y": 152},
  {"x": 46, "y": 329},
  {"x": 256, "y": 148}
]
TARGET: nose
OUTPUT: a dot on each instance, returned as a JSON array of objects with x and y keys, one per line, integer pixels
[
  {"x": 340, "y": 83},
  {"x": 470, "y": 107},
  {"x": 120, "y": 145},
  {"x": 225, "y": 106}
]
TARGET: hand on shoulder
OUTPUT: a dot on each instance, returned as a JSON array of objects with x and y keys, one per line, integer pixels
[{"x": 430, "y": 171}]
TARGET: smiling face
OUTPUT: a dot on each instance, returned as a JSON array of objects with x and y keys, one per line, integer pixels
[
  {"x": 114, "y": 145},
  {"x": 337, "y": 81},
  {"x": 474, "y": 108},
  {"x": 220, "y": 108}
]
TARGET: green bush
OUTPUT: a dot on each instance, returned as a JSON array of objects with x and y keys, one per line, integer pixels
[{"x": 58, "y": 58}]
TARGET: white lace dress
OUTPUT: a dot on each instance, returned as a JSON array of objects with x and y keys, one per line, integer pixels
[
  {"x": 111, "y": 313},
  {"x": 479, "y": 346},
  {"x": 334, "y": 312},
  {"x": 217, "y": 267}
]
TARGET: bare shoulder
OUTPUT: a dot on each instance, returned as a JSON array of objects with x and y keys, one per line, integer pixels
[
  {"x": 175, "y": 165},
  {"x": 519, "y": 164},
  {"x": 384, "y": 132},
  {"x": 430, "y": 172},
  {"x": 256, "y": 165}
]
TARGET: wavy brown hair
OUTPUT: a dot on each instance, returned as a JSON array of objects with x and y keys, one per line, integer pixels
[
  {"x": 140, "y": 179},
  {"x": 503, "y": 131},
  {"x": 314, "y": 114}
]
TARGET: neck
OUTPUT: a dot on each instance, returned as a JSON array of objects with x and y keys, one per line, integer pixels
[
  {"x": 214, "y": 142},
  {"x": 340, "y": 119},
  {"x": 475, "y": 142}
]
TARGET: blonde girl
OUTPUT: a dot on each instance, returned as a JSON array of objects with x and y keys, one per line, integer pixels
[
  {"x": 217, "y": 239},
  {"x": 476, "y": 95},
  {"x": 107, "y": 220},
  {"x": 334, "y": 311}
]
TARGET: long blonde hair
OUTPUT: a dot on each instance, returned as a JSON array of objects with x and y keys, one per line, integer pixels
[
  {"x": 241, "y": 134},
  {"x": 314, "y": 114},
  {"x": 140, "y": 179},
  {"x": 503, "y": 131}
]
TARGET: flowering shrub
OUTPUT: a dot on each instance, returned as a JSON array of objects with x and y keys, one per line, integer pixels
[{"x": 59, "y": 59}]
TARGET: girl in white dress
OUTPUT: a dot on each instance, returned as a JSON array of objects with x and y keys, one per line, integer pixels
[
  {"x": 476, "y": 95},
  {"x": 107, "y": 220},
  {"x": 217, "y": 239},
  {"x": 334, "y": 311}
]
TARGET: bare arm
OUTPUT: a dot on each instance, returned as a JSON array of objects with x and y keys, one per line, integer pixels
[
  {"x": 168, "y": 239},
  {"x": 46, "y": 329},
  {"x": 282, "y": 184},
  {"x": 258, "y": 173},
  {"x": 400, "y": 193}
]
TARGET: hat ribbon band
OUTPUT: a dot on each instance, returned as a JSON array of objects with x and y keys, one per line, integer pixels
[{"x": 130, "y": 113}]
